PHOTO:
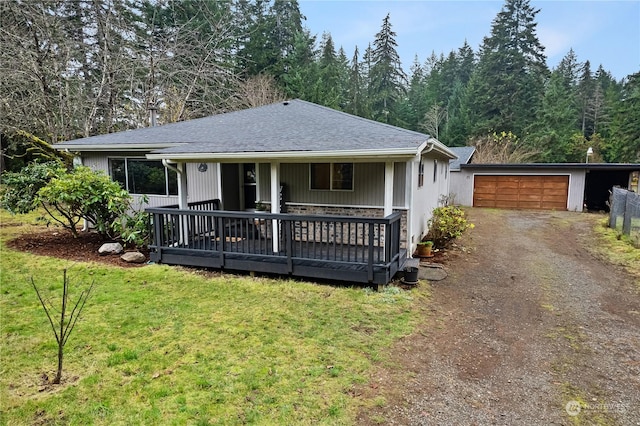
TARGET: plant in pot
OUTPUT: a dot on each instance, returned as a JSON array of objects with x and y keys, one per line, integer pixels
[{"x": 425, "y": 248}]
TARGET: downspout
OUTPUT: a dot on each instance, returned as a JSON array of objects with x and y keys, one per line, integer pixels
[
  {"x": 182, "y": 199},
  {"x": 169, "y": 166},
  {"x": 430, "y": 145}
]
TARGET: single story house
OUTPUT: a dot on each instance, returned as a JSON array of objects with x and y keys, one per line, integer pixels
[
  {"x": 550, "y": 186},
  {"x": 291, "y": 188}
]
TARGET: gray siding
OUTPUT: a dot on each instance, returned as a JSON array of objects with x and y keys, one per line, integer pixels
[{"x": 368, "y": 185}]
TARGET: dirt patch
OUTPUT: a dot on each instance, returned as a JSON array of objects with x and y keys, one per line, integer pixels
[
  {"x": 527, "y": 321},
  {"x": 63, "y": 245}
]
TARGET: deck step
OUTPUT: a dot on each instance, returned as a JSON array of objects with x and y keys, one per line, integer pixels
[{"x": 411, "y": 262}]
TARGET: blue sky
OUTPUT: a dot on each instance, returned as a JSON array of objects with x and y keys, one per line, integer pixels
[{"x": 603, "y": 32}]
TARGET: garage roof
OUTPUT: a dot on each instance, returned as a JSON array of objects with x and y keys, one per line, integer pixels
[{"x": 559, "y": 166}]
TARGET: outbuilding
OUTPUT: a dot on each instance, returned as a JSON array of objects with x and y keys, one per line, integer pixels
[{"x": 544, "y": 186}]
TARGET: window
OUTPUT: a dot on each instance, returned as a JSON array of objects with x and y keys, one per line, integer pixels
[
  {"x": 331, "y": 176},
  {"x": 435, "y": 170},
  {"x": 141, "y": 176},
  {"x": 420, "y": 173}
]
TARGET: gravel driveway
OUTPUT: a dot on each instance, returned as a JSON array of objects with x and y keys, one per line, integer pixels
[{"x": 529, "y": 328}]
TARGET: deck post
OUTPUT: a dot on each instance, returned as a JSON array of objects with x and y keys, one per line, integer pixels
[{"x": 275, "y": 204}]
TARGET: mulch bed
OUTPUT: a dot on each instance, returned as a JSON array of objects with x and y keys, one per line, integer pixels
[{"x": 63, "y": 245}]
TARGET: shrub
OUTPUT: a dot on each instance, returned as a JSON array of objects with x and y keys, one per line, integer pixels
[
  {"x": 134, "y": 228},
  {"x": 85, "y": 194},
  {"x": 20, "y": 189},
  {"x": 446, "y": 224}
]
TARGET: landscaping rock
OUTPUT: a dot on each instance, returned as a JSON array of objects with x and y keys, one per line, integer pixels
[
  {"x": 134, "y": 257},
  {"x": 110, "y": 248},
  {"x": 432, "y": 272}
]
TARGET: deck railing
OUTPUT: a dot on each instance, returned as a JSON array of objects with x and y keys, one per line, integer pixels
[{"x": 219, "y": 238}]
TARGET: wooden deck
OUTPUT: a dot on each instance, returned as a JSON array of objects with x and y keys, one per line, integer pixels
[{"x": 350, "y": 249}]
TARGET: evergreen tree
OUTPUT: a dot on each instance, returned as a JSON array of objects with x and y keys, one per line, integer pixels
[
  {"x": 386, "y": 75},
  {"x": 355, "y": 96},
  {"x": 551, "y": 133},
  {"x": 328, "y": 90},
  {"x": 466, "y": 63},
  {"x": 586, "y": 87},
  {"x": 569, "y": 68},
  {"x": 415, "y": 99},
  {"x": 511, "y": 72},
  {"x": 624, "y": 144},
  {"x": 302, "y": 74}
]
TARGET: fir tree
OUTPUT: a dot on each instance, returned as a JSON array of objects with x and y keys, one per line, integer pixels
[
  {"x": 511, "y": 71},
  {"x": 386, "y": 75}
]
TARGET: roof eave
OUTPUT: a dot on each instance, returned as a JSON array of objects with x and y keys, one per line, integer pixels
[
  {"x": 112, "y": 147},
  {"x": 287, "y": 156},
  {"x": 442, "y": 149}
]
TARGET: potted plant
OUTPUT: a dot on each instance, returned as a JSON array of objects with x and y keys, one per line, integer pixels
[{"x": 424, "y": 248}]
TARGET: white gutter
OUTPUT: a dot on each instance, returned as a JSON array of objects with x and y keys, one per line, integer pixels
[
  {"x": 285, "y": 155},
  {"x": 169, "y": 166}
]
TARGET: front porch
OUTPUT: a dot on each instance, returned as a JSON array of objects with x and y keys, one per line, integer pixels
[{"x": 342, "y": 248}]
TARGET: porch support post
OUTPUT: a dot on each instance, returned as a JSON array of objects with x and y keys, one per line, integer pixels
[
  {"x": 388, "y": 188},
  {"x": 183, "y": 203},
  {"x": 182, "y": 186},
  {"x": 275, "y": 204}
]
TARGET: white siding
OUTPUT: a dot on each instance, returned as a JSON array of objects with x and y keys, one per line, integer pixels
[
  {"x": 426, "y": 197},
  {"x": 202, "y": 186}
]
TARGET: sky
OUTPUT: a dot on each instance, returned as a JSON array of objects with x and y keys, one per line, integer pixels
[{"x": 603, "y": 32}]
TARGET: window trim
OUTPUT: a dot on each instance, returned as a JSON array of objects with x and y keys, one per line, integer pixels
[
  {"x": 331, "y": 171},
  {"x": 126, "y": 159},
  {"x": 421, "y": 173}
]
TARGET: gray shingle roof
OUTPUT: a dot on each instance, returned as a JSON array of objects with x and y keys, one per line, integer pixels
[
  {"x": 464, "y": 154},
  {"x": 285, "y": 126}
]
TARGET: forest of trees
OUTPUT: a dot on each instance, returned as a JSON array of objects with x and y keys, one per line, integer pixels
[{"x": 72, "y": 69}]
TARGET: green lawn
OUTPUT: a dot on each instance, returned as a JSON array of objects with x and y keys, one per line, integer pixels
[{"x": 165, "y": 345}]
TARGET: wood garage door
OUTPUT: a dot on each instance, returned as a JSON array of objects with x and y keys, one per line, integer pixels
[{"x": 521, "y": 192}]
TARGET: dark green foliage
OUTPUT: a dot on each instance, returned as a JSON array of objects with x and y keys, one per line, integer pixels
[
  {"x": 134, "y": 228},
  {"x": 552, "y": 132},
  {"x": 624, "y": 144},
  {"x": 20, "y": 189},
  {"x": 84, "y": 194},
  {"x": 387, "y": 78},
  {"x": 511, "y": 72}
]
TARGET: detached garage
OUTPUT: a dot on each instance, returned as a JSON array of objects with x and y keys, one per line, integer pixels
[
  {"x": 546, "y": 192},
  {"x": 542, "y": 186}
]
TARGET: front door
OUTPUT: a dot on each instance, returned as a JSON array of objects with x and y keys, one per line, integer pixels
[{"x": 238, "y": 186}]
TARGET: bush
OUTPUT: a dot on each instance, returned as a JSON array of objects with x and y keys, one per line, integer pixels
[
  {"x": 134, "y": 228},
  {"x": 446, "y": 224},
  {"x": 20, "y": 189},
  {"x": 85, "y": 194}
]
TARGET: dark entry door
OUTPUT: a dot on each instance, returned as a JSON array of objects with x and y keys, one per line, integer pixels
[{"x": 238, "y": 186}]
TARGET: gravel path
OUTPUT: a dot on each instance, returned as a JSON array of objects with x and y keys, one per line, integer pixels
[{"x": 529, "y": 328}]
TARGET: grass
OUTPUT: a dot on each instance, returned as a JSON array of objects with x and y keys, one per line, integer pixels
[
  {"x": 166, "y": 345},
  {"x": 618, "y": 249}
]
